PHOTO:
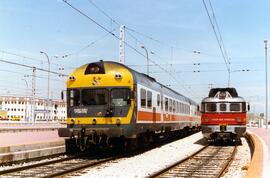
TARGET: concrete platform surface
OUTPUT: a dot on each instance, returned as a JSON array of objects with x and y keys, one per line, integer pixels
[
  {"x": 262, "y": 151},
  {"x": 24, "y": 145},
  {"x": 17, "y": 138},
  {"x": 22, "y": 127}
]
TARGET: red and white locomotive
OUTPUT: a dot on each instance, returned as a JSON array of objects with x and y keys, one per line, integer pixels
[{"x": 224, "y": 115}]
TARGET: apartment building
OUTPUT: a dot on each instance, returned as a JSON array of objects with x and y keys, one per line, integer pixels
[{"x": 26, "y": 109}]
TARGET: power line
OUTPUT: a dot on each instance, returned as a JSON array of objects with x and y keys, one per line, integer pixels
[
  {"x": 103, "y": 12},
  {"x": 216, "y": 36},
  {"x": 218, "y": 29},
  {"x": 85, "y": 47},
  {"x": 25, "y": 57},
  {"x": 126, "y": 43},
  {"x": 27, "y": 66},
  {"x": 129, "y": 30}
]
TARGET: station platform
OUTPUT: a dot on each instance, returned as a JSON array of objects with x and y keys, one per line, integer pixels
[
  {"x": 17, "y": 146},
  {"x": 260, "y": 163},
  {"x": 25, "y": 126}
]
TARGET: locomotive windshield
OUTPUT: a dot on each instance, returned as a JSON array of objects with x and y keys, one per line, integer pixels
[
  {"x": 102, "y": 102},
  {"x": 120, "y": 96},
  {"x": 224, "y": 107},
  {"x": 92, "y": 97}
]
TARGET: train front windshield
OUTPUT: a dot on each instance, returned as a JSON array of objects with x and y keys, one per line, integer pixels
[
  {"x": 115, "y": 101},
  {"x": 223, "y": 107}
]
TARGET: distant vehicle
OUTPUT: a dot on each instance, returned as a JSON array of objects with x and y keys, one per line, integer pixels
[
  {"x": 15, "y": 119},
  {"x": 3, "y": 115},
  {"x": 224, "y": 115},
  {"x": 109, "y": 103}
]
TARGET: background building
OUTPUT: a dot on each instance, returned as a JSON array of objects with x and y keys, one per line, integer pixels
[{"x": 24, "y": 109}]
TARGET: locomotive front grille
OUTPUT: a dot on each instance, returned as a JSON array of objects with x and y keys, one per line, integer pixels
[{"x": 223, "y": 128}]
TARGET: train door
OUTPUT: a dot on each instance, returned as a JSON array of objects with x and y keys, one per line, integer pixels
[
  {"x": 161, "y": 107},
  {"x": 154, "y": 115}
]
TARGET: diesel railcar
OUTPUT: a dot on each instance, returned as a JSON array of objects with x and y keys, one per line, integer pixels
[
  {"x": 109, "y": 103},
  {"x": 224, "y": 115}
]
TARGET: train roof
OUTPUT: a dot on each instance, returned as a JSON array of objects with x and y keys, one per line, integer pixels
[
  {"x": 143, "y": 78},
  {"x": 214, "y": 91},
  {"x": 223, "y": 95}
]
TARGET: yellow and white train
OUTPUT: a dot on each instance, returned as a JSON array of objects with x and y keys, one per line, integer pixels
[{"x": 109, "y": 103}]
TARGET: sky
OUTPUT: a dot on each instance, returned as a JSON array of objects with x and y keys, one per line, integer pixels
[{"x": 186, "y": 55}]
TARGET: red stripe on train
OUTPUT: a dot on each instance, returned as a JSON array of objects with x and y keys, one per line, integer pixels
[{"x": 223, "y": 118}]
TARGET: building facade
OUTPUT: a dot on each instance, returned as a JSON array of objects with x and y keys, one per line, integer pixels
[{"x": 28, "y": 110}]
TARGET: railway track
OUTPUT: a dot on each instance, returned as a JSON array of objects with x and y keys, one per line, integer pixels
[
  {"x": 57, "y": 168},
  {"x": 210, "y": 162}
]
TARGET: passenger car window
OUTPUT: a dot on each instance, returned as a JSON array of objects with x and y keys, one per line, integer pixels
[
  {"x": 143, "y": 98},
  {"x": 149, "y": 99},
  {"x": 166, "y": 104}
]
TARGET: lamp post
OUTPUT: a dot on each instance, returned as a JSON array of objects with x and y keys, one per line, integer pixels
[
  {"x": 143, "y": 47},
  {"x": 48, "y": 90},
  {"x": 26, "y": 86},
  {"x": 25, "y": 109},
  {"x": 147, "y": 57},
  {"x": 266, "y": 85}
]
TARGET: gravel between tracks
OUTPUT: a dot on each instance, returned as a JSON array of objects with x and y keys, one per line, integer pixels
[
  {"x": 149, "y": 162},
  {"x": 239, "y": 166}
]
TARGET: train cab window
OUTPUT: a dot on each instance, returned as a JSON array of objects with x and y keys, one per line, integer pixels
[
  {"x": 244, "y": 109},
  {"x": 73, "y": 97},
  {"x": 158, "y": 99},
  {"x": 211, "y": 107},
  {"x": 166, "y": 104},
  {"x": 143, "y": 98},
  {"x": 222, "y": 107},
  {"x": 235, "y": 107},
  {"x": 149, "y": 99},
  {"x": 120, "y": 96},
  {"x": 202, "y": 108},
  {"x": 91, "y": 97}
]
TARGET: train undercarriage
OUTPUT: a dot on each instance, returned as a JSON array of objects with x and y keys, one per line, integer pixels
[{"x": 84, "y": 140}]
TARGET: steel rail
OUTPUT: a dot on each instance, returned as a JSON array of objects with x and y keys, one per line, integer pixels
[{"x": 208, "y": 162}]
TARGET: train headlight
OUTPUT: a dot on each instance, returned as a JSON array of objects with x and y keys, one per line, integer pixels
[
  {"x": 206, "y": 119},
  {"x": 72, "y": 122},
  {"x": 118, "y": 121},
  {"x": 118, "y": 76},
  {"x": 72, "y": 78},
  {"x": 94, "y": 122}
]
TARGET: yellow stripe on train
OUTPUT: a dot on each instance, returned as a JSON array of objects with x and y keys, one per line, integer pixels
[{"x": 103, "y": 120}]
